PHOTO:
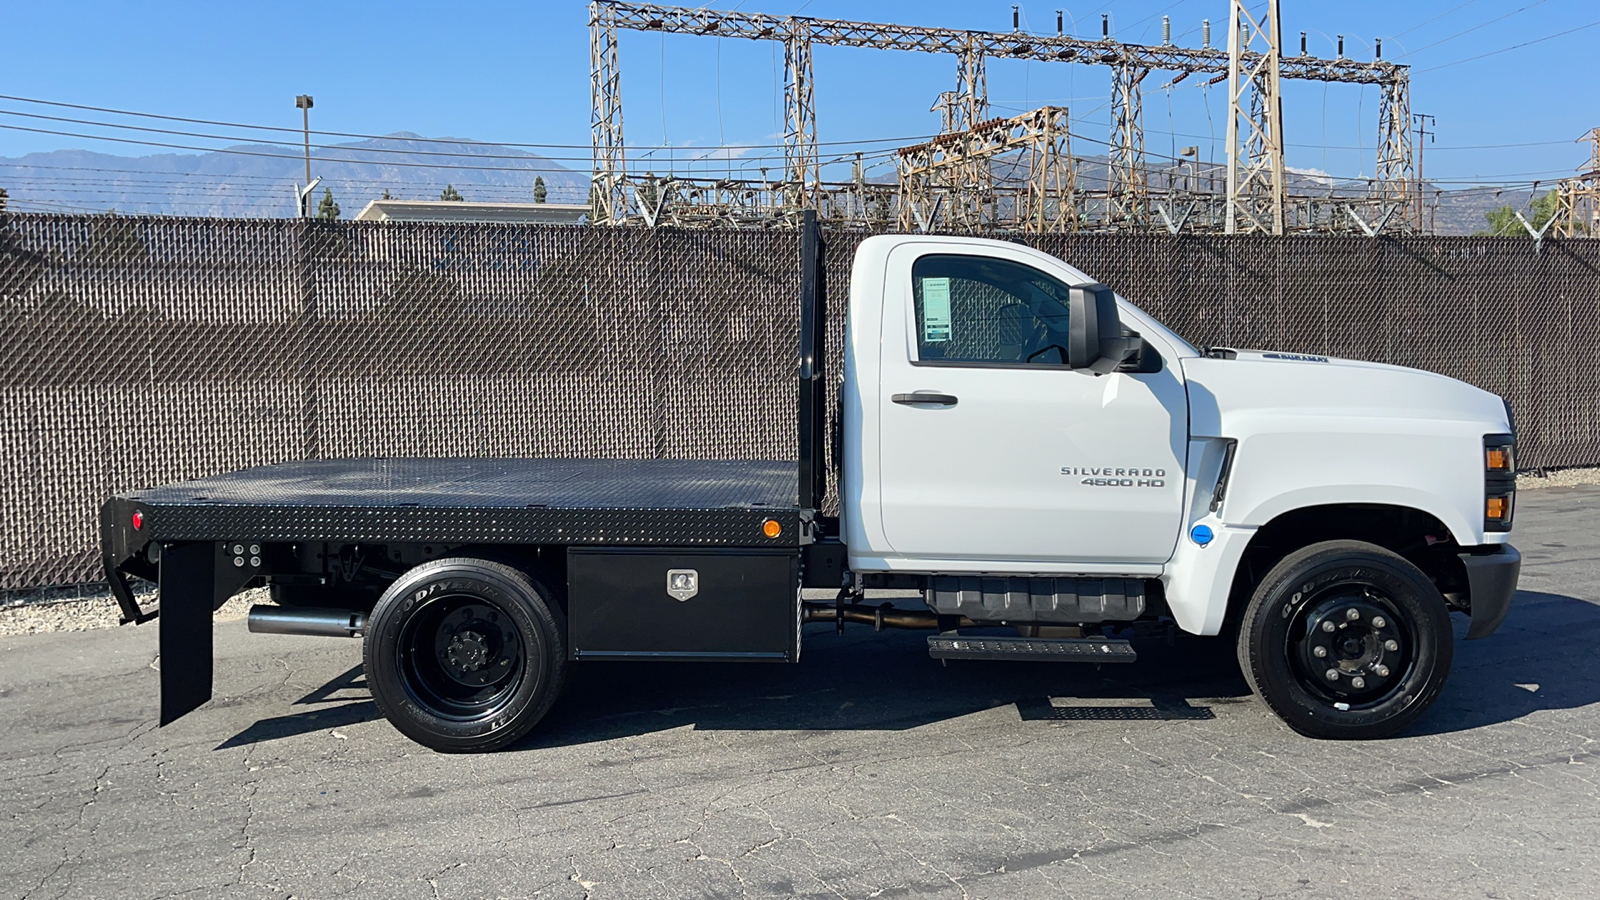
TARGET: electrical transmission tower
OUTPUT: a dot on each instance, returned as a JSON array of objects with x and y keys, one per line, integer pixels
[
  {"x": 1258, "y": 63},
  {"x": 799, "y": 121},
  {"x": 1578, "y": 199},
  {"x": 933, "y": 188},
  {"x": 1128, "y": 187},
  {"x": 1255, "y": 164},
  {"x": 1396, "y": 166},
  {"x": 607, "y": 190}
]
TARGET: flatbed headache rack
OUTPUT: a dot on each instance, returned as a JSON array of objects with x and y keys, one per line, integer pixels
[{"x": 204, "y": 540}]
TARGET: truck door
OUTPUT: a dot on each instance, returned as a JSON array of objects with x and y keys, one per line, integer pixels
[{"x": 991, "y": 448}]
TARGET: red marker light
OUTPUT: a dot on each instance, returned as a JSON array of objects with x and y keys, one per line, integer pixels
[{"x": 138, "y": 520}]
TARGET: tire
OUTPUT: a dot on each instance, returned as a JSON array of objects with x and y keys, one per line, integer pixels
[
  {"x": 1346, "y": 640},
  {"x": 465, "y": 655}
]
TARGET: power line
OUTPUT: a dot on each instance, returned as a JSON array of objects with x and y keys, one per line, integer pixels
[
  {"x": 145, "y": 129},
  {"x": 16, "y": 165},
  {"x": 457, "y": 141},
  {"x": 1434, "y": 19},
  {"x": 1547, "y": 37},
  {"x": 1478, "y": 26}
]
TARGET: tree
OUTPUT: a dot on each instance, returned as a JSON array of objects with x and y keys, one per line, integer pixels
[
  {"x": 450, "y": 193},
  {"x": 1503, "y": 221},
  {"x": 539, "y": 192},
  {"x": 3, "y": 197},
  {"x": 327, "y": 209},
  {"x": 386, "y": 195}
]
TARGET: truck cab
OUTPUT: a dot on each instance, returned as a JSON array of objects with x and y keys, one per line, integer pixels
[
  {"x": 1053, "y": 469},
  {"x": 1005, "y": 432}
]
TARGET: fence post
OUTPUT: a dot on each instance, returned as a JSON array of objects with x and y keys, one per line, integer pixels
[{"x": 306, "y": 344}]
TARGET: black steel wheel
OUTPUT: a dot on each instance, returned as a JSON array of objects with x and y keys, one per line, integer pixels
[
  {"x": 1346, "y": 640},
  {"x": 465, "y": 655}
]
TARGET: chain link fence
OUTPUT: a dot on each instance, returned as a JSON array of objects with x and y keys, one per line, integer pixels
[{"x": 138, "y": 351}]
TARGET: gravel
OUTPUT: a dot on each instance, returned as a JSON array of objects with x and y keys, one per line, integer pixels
[
  {"x": 26, "y": 616},
  {"x": 1529, "y": 481}
]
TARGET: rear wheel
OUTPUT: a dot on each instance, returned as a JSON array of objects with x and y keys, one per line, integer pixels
[
  {"x": 465, "y": 655},
  {"x": 1345, "y": 639}
]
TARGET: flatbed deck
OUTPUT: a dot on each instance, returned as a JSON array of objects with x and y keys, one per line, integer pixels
[{"x": 525, "y": 501}]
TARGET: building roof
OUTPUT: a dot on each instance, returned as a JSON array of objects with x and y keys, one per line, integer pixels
[{"x": 469, "y": 211}]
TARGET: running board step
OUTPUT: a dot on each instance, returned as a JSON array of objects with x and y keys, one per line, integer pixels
[{"x": 1091, "y": 650}]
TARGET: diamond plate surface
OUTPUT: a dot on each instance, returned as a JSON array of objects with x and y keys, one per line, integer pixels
[{"x": 548, "y": 501}]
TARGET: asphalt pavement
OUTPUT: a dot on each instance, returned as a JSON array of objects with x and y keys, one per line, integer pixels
[{"x": 868, "y": 770}]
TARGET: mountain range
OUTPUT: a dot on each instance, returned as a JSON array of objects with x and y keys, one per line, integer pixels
[
  {"x": 250, "y": 180},
  {"x": 260, "y": 180}
]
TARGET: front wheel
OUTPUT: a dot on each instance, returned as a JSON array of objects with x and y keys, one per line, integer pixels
[
  {"x": 465, "y": 655},
  {"x": 1346, "y": 640}
]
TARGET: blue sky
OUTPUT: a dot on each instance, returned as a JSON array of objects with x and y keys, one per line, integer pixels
[{"x": 518, "y": 71}]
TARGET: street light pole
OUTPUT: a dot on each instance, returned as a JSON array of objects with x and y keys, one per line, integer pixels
[{"x": 303, "y": 103}]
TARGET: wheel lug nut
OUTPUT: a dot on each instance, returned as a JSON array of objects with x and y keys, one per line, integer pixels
[
  {"x": 1382, "y": 670},
  {"x": 1379, "y": 622},
  {"x": 1333, "y": 674},
  {"x": 1391, "y": 645},
  {"x": 1327, "y": 626},
  {"x": 1352, "y": 614},
  {"x": 1358, "y": 682},
  {"x": 1319, "y": 652}
]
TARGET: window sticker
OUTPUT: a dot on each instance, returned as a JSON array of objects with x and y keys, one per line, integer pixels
[{"x": 935, "y": 310}]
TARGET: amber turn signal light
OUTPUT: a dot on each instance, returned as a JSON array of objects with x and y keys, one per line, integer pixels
[
  {"x": 1496, "y": 508},
  {"x": 1498, "y": 459},
  {"x": 771, "y": 528}
]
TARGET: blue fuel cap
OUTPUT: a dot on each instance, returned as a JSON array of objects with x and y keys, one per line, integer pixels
[{"x": 1201, "y": 534}]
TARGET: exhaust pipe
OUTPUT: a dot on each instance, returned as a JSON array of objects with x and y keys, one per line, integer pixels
[{"x": 307, "y": 620}]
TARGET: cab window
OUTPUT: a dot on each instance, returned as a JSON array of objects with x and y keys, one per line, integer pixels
[{"x": 975, "y": 310}]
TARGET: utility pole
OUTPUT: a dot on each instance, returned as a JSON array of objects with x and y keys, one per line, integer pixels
[
  {"x": 303, "y": 103},
  {"x": 1423, "y": 120}
]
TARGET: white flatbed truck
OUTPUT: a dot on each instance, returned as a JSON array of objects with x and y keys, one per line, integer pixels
[{"x": 1049, "y": 466}]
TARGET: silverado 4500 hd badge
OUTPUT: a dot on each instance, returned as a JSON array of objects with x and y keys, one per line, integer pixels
[{"x": 1114, "y": 477}]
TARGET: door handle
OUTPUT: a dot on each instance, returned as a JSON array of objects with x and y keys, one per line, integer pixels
[{"x": 929, "y": 398}]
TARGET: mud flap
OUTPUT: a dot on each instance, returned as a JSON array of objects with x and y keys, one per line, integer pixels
[
  {"x": 196, "y": 579},
  {"x": 188, "y": 585}
]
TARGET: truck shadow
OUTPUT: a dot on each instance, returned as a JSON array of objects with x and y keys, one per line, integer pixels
[
  {"x": 341, "y": 701},
  {"x": 1541, "y": 658},
  {"x": 867, "y": 681}
]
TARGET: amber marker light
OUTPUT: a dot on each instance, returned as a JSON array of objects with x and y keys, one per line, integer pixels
[
  {"x": 1498, "y": 459},
  {"x": 1495, "y": 508},
  {"x": 771, "y": 528}
]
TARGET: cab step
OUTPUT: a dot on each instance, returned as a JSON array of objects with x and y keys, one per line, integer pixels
[{"x": 1090, "y": 650}]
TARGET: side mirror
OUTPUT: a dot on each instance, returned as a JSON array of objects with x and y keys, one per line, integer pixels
[{"x": 1095, "y": 340}]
